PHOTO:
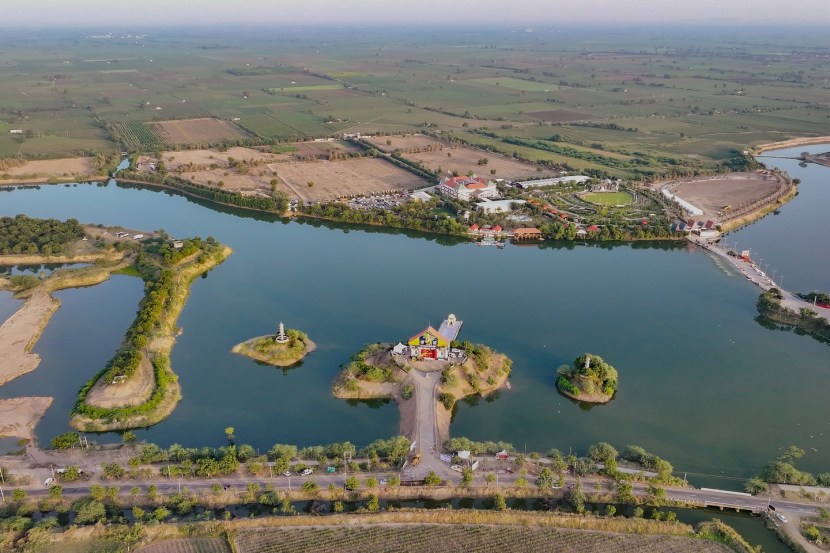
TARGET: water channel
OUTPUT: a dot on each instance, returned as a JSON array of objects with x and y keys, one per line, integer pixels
[{"x": 701, "y": 382}]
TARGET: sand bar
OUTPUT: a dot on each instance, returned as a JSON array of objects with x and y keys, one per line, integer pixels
[
  {"x": 20, "y": 332},
  {"x": 20, "y": 415}
]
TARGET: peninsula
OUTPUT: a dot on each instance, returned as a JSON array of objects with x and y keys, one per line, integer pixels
[{"x": 283, "y": 349}]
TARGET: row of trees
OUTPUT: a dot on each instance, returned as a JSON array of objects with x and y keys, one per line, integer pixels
[
  {"x": 278, "y": 202},
  {"x": 27, "y": 235},
  {"x": 410, "y": 215}
]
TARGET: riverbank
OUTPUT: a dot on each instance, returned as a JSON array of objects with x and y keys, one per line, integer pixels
[
  {"x": 759, "y": 213},
  {"x": 792, "y": 143},
  {"x": 20, "y": 415},
  {"x": 89, "y": 414},
  {"x": 806, "y": 318}
]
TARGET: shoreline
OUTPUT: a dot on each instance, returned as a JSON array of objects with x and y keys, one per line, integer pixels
[
  {"x": 791, "y": 143},
  {"x": 760, "y": 213}
]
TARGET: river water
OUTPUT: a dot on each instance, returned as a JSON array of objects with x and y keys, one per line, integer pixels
[{"x": 701, "y": 382}]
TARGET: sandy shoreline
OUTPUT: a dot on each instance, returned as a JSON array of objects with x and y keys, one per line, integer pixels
[
  {"x": 805, "y": 141},
  {"x": 20, "y": 332},
  {"x": 20, "y": 415}
]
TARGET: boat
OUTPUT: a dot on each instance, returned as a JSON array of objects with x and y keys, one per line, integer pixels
[
  {"x": 495, "y": 243},
  {"x": 507, "y": 384}
]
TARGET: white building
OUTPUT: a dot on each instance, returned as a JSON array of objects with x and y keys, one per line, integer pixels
[
  {"x": 579, "y": 179},
  {"x": 498, "y": 206},
  {"x": 467, "y": 188}
]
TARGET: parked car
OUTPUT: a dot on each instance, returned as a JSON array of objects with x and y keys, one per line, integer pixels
[
  {"x": 457, "y": 468},
  {"x": 383, "y": 481},
  {"x": 781, "y": 517},
  {"x": 48, "y": 481},
  {"x": 306, "y": 472},
  {"x": 287, "y": 473}
]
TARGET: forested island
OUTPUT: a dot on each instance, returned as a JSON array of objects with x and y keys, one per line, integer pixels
[{"x": 589, "y": 379}]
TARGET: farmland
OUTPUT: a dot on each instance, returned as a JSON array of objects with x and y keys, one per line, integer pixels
[
  {"x": 193, "y": 132},
  {"x": 192, "y": 545},
  {"x": 418, "y": 538},
  {"x": 625, "y": 105},
  {"x": 448, "y": 158}
]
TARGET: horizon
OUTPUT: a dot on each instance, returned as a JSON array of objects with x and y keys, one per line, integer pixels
[{"x": 369, "y": 13}]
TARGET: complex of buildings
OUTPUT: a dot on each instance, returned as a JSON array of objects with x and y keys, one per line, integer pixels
[{"x": 468, "y": 188}]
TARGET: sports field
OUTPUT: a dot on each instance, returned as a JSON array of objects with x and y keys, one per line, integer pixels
[{"x": 609, "y": 198}]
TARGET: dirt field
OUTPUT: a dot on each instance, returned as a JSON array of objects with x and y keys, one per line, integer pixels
[
  {"x": 43, "y": 170},
  {"x": 135, "y": 391},
  {"x": 20, "y": 415},
  {"x": 713, "y": 193},
  {"x": 197, "y": 131},
  {"x": 191, "y": 545},
  {"x": 323, "y": 149},
  {"x": 433, "y": 154},
  {"x": 336, "y": 179}
]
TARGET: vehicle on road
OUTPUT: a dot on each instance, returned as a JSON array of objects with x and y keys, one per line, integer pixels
[
  {"x": 457, "y": 468},
  {"x": 287, "y": 473},
  {"x": 781, "y": 517},
  {"x": 306, "y": 472},
  {"x": 383, "y": 481},
  {"x": 48, "y": 481}
]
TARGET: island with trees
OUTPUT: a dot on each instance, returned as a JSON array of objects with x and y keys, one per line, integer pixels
[
  {"x": 589, "y": 379},
  {"x": 284, "y": 348}
]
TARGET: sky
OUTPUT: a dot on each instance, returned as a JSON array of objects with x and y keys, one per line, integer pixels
[{"x": 103, "y": 13}]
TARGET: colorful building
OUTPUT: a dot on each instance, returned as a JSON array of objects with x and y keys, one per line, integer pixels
[
  {"x": 429, "y": 344},
  {"x": 468, "y": 188}
]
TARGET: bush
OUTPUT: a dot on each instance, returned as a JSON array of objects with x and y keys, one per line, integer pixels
[{"x": 65, "y": 441}]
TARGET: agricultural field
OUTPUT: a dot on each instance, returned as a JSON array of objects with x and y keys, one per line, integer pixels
[
  {"x": 420, "y": 538},
  {"x": 65, "y": 169},
  {"x": 609, "y": 198},
  {"x": 189, "y": 545},
  {"x": 452, "y": 157},
  {"x": 322, "y": 181},
  {"x": 194, "y": 132},
  {"x": 639, "y": 105}
]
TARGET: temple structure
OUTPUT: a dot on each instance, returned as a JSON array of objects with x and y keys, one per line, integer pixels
[{"x": 435, "y": 344}]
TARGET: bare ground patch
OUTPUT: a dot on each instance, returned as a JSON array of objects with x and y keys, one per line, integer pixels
[
  {"x": 134, "y": 391},
  {"x": 19, "y": 333},
  {"x": 560, "y": 116},
  {"x": 20, "y": 415},
  {"x": 79, "y": 168},
  {"x": 438, "y": 154},
  {"x": 711, "y": 194},
  {"x": 331, "y": 180}
]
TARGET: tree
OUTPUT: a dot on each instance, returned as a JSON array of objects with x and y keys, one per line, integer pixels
[
  {"x": 432, "y": 479},
  {"x": 373, "y": 505},
  {"x": 625, "y": 492},
  {"x": 352, "y": 483},
  {"x": 56, "y": 492},
  {"x": 499, "y": 503},
  {"x": 576, "y": 497},
  {"x": 310, "y": 486},
  {"x": 545, "y": 479},
  {"x": 812, "y": 533},
  {"x": 656, "y": 494},
  {"x": 89, "y": 511},
  {"x": 161, "y": 513},
  {"x": 466, "y": 476},
  {"x": 18, "y": 495},
  {"x": 65, "y": 441},
  {"x": 610, "y": 510},
  {"x": 371, "y": 482},
  {"x": 229, "y": 433},
  {"x": 97, "y": 492}
]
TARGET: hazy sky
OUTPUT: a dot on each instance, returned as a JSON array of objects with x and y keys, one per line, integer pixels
[{"x": 35, "y": 13}]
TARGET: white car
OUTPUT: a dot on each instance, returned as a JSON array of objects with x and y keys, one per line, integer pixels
[
  {"x": 287, "y": 473},
  {"x": 48, "y": 481},
  {"x": 306, "y": 472},
  {"x": 781, "y": 517},
  {"x": 457, "y": 468}
]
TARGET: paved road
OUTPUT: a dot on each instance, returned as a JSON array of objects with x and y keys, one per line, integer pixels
[{"x": 427, "y": 439}]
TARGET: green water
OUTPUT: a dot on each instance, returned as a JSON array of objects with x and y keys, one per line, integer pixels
[{"x": 701, "y": 383}]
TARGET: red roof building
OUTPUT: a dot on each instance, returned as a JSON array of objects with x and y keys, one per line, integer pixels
[{"x": 468, "y": 188}]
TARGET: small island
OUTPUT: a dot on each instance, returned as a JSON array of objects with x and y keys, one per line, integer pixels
[
  {"x": 589, "y": 379},
  {"x": 806, "y": 318},
  {"x": 282, "y": 349}
]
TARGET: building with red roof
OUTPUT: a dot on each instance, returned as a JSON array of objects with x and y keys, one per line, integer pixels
[{"x": 468, "y": 188}]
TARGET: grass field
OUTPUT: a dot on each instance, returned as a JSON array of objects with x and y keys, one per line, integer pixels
[{"x": 609, "y": 198}]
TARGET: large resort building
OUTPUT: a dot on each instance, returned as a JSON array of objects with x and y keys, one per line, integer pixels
[{"x": 468, "y": 188}]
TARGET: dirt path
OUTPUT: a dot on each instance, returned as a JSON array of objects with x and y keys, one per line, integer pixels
[
  {"x": 20, "y": 332},
  {"x": 20, "y": 415},
  {"x": 792, "y": 529}
]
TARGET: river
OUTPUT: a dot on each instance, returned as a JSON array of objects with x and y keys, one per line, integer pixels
[{"x": 701, "y": 382}]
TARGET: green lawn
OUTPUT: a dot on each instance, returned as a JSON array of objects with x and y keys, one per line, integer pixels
[{"x": 609, "y": 198}]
